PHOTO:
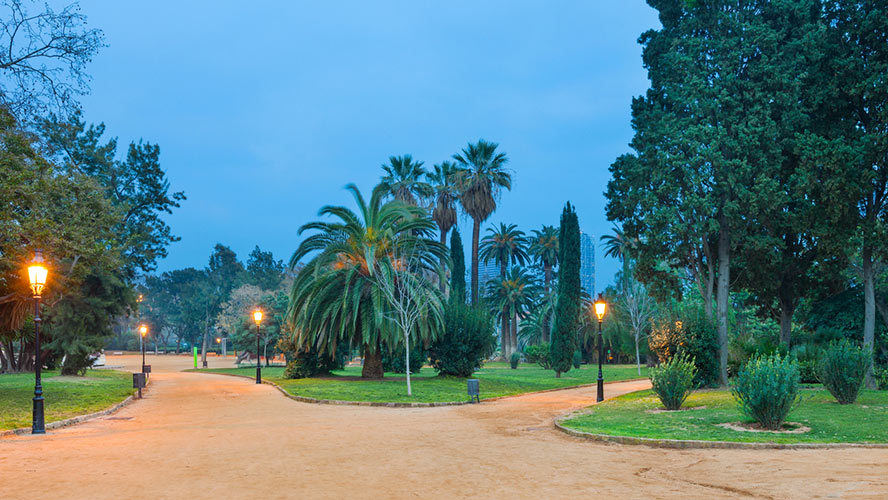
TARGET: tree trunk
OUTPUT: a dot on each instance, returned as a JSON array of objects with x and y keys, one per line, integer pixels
[
  {"x": 547, "y": 283},
  {"x": 476, "y": 230},
  {"x": 514, "y": 332},
  {"x": 443, "y": 278},
  {"x": 407, "y": 365},
  {"x": 637, "y": 355},
  {"x": 203, "y": 350},
  {"x": 504, "y": 334},
  {"x": 724, "y": 275},
  {"x": 786, "y": 311},
  {"x": 869, "y": 309},
  {"x": 372, "y": 362}
]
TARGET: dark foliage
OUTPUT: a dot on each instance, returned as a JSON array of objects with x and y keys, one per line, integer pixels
[{"x": 467, "y": 340}]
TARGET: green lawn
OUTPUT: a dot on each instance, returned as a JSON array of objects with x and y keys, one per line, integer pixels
[
  {"x": 496, "y": 379},
  {"x": 863, "y": 422},
  {"x": 65, "y": 397}
]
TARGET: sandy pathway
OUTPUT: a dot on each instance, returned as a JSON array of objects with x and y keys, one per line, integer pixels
[{"x": 201, "y": 436}]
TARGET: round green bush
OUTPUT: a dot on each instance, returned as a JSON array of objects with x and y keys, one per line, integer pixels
[
  {"x": 767, "y": 389},
  {"x": 539, "y": 354},
  {"x": 515, "y": 359},
  {"x": 843, "y": 368},
  {"x": 673, "y": 381},
  {"x": 467, "y": 340},
  {"x": 393, "y": 361}
]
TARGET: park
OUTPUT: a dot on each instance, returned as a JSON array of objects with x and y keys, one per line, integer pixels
[{"x": 665, "y": 278}]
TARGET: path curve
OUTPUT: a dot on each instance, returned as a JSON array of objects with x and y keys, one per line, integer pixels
[{"x": 207, "y": 436}]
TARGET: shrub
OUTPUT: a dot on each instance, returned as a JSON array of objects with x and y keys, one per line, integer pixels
[
  {"x": 302, "y": 363},
  {"x": 467, "y": 340},
  {"x": 693, "y": 335},
  {"x": 673, "y": 381},
  {"x": 881, "y": 375},
  {"x": 577, "y": 359},
  {"x": 843, "y": 368},
  {"x": 515, "y": 359},
  {"x": 808, "y": 357},
  {"x": 539, "y": 354},
  {"x": 393, "y": 361},
  {"x": 767, "y": 389}
]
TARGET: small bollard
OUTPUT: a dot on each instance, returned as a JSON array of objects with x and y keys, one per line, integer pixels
[
  {"x": 474, "y": 390},
  {"x": 139, "y": 382}
]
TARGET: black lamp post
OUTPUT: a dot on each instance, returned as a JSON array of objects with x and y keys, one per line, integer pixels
[
  {"x": 37, "y": 275},
  {"x": 143, "y": 331},
  {"x": 257, "y": 317},
  {"x": 600, "y": 308}
]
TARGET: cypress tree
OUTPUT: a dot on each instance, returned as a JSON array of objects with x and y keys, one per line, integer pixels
[
  {"x": 458, "y": 268},
  {"x": 567, "y": 307}
]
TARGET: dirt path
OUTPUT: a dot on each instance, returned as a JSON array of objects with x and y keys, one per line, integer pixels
[{"x": 199, "y": 436}]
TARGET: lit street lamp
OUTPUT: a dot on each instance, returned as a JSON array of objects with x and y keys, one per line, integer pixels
[
  {"x": 37, "y": 275},
  {"x": 600, "y": 309},
  {"x": 143, "y": 331},
  {"x": 257, "y": 317}
]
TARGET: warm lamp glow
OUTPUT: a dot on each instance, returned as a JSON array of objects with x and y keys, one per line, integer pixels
[
  {"x": 600, "y": 307},
  {"x": 218, "y": 340},
  {"x": 257, "y": 316},
  {"x": 143, "y": 330},
  {"x": 37, "y": 274}
]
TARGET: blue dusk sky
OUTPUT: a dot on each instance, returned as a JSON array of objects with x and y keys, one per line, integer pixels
[{"x": 264, "y": 110}]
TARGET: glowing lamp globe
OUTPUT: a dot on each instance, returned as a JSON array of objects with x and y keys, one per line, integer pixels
[
  {"x": 257, "y": 316},
  {"x": 600, "y": 307},
  {"x": 37, "y": 274},
  {"x": 143, "y": 330}
]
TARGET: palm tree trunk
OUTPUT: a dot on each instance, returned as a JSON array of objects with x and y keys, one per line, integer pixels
[
  {"x": 504, "y": 333},
  {"x": 515, "y": 331},
  {"x": 547, "y": 282},
  {"x": 476, "y": 231},
  {"x": 442, "y": 278},
  {"x": 372, "y": 362}
]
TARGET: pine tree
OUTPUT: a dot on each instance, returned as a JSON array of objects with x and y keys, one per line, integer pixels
[
  {"x": 567, "y": 307},
  {"x": 458, "y": 268}
]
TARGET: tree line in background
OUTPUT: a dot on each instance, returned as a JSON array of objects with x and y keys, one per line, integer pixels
[{"x": 756, "y": 190}]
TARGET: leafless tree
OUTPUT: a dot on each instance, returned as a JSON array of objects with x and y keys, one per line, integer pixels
[
  {"x": 639, "y": 308},
  {"x": 43, "y": 58}
]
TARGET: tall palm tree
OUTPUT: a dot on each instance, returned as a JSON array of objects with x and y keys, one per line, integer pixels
[
  {"x": 442, "y": 181},
  {"x": 619, "y": 246},
  {"x": 336, "y": 295},
  {"x": 544, "y": 249},
  {"x": 515, "y": 295},
  {"x": 505, "y": 245},
  {"x": 403, "y": 180},
  {"x": 481, "y": 176}
]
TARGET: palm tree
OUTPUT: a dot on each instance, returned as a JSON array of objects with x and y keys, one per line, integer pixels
[
  {"x": 506, "y": 246},
  {"x": 336, "y": 296},
  {"x": 619, "y": 246},
  {"x": 444, "y": 209},
  {"x": 481, "y": 176},
  {"x": 513, "y": 295},
  {"x": 403, "y": 180},
  {"x": 544, "y": 248}
]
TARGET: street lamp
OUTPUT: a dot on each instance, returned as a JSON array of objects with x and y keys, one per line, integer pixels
[
  {"x": 600, "y": 309},
  {"x": 257, "y": 317},
  {"x": 139, "y": 311},
  {"x": 143, "y": 331},
  {"x": 37, "y": 276}
]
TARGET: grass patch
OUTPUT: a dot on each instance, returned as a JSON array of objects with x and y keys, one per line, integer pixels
[
  {"x": 863, "y": 422},
  {"x": 496, "y": 379},
  {"x": 65, "y": 397}
]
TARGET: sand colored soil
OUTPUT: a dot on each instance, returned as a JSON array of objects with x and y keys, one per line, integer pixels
[{"x": 198, "y": 436}]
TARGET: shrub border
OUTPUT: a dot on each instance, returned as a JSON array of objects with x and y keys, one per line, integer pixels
[
  {"x": 58, "y": 424},
  {"x": 305, "y": 399},
  {"x": 697, "y": 443}
]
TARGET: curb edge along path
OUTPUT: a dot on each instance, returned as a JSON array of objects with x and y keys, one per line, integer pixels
[
  {"x": 382, "y": 404},
  {"x": 685, "y": 444}
]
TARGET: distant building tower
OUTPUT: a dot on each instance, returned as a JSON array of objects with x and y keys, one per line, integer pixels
[
  {"x": 486, "y": 272},
  {"x": 587, "y": 264}
]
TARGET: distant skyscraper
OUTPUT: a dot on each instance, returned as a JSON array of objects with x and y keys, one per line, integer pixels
[
  {"x": 486, "y": 272},
  {"x": 587, "y": 264}
]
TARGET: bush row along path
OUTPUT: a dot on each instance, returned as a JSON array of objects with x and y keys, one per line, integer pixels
[{"x": 210, "y": 436}]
